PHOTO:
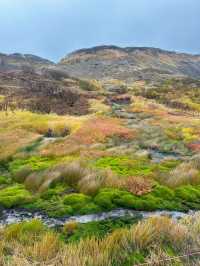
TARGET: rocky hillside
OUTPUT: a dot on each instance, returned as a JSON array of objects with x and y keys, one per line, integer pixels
[
  {"x": 132, "y": 63},
  {"x": 18, "y": 61},
  {"x": 42, "y": 93},
  {"x": 39, "y": 85}
]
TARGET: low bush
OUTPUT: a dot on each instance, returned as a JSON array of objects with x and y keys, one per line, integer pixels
[
  {"x": 69, "y": 228},
  {"x": 137, "y": 185},
  {"x": 56, "y": 190},
  {"x": 163, "y": 192}
]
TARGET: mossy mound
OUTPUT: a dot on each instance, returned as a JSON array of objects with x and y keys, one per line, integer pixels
[{"x": 15, "y": 195}]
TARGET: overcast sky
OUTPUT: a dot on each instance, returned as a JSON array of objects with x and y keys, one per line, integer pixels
[{"x": 53, "y": 28}]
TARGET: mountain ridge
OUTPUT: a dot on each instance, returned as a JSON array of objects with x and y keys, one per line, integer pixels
[
  {"x": 128, "y": 48},
  {"x": 130, "y": 63},
  {"x": 106, "y": 62}
]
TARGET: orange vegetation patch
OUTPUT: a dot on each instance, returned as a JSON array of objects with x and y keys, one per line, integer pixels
[
  {"x": 195, "y": 146},
  {"x": 11, "y": 141},
  {"x": 98, "y": 129},
  {"x": 93, "y": 131}
]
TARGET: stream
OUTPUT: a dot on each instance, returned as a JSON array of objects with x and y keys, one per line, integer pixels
[
  {"x": 15, "y": 216},
  {"x": 136, "y": 121}
]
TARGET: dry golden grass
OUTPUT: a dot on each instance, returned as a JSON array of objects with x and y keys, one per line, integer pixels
[
  {"x": 45, "y": 249},
  {"x": 159, "y": 257},
  {"x": 149, "y": 236},
  {"x": 143, "y": 235},
  {"x": 183, "y": 174},
  {"x": 22, "y": 127}
]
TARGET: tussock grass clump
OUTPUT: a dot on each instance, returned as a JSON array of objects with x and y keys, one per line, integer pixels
[
  {"x": 91, "y": 183},
  {"x": 142, "y": 235},
  {"x": 183, "y": 174},
  {"x": 34, "y": 181},
  {"x": 45, "y": 249},
  {"x": 148, "y": 241},
  {"x": 21, "y": 175},
  {"x": 72, "y": 173}
]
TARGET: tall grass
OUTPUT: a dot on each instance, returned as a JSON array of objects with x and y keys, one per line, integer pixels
[
  {"x": 183, "y": 174},
  {"x": 151, "y": 237}
]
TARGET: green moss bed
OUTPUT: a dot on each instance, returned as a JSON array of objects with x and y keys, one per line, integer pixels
[{"x": 61, "y": 200}]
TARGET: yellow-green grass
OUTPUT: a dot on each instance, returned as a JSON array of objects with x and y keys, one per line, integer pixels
[{"x": 98, "y": 107}]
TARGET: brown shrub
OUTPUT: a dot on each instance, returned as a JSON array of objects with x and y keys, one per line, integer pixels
[
  {"x": 138, "y": 185},
  {"x": 70, "y": 227}
]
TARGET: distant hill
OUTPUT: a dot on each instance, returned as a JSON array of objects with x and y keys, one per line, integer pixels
[
  {"x": 131, "y": 63},
  {"x": 10, "y": 62}
]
